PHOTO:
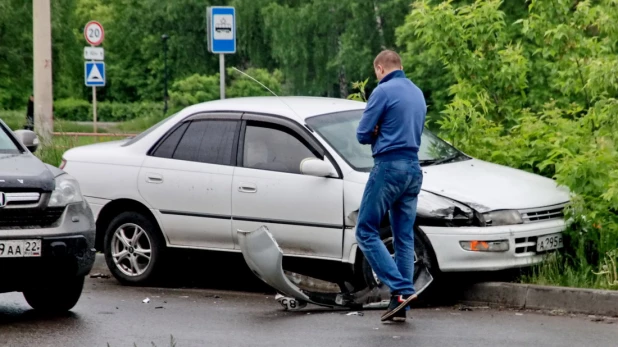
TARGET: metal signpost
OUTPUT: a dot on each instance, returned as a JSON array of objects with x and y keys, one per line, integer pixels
[
  {"x": 221, "y": 28},
  {"x": 94, "y": 71}
]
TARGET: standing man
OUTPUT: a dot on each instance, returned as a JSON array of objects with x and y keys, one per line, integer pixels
[
  {"x": 392, "y": 124},
  {"x": 30, "y": 114}
]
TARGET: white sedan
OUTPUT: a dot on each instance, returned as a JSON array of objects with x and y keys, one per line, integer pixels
[{"x": 293, "y": 164}]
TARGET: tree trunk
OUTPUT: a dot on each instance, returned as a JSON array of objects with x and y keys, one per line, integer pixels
[
  {"x": 343, "y": 83},
  {"x": 379, "y": 26}
]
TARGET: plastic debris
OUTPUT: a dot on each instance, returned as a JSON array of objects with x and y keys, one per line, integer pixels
[
  {"x": 158, "y": 307},
  {"x": 99, "y": 275},
  {"x": 145, "y": 301},
  {"x": 519, "y": 314},
  {"x": 355, "y": 314}
]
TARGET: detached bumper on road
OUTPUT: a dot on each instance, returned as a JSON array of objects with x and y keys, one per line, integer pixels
[
  {"x": 67, "y": 250},
  {"x": 521, "y": 240}
]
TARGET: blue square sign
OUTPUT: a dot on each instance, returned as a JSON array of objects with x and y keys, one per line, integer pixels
[
  {"x": 221, "y": 29},
  {"x": 94, "y": 74}
]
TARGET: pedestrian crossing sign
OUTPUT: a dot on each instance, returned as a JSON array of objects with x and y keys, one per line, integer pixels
[{"x": 95, "y": 74}]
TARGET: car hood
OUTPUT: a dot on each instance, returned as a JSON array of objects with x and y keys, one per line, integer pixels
[
  {"x": 24, "y": 172},
  {"x": 486, "y": 187}
]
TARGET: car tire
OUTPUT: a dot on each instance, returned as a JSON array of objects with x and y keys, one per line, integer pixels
[
  {"x": 134, "y": 260},
  {"x": 55, "y": 297},
  {"x": 365, "y": 277}
]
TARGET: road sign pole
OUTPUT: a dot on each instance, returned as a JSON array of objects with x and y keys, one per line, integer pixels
[
  {"x": 94, "y": 108},
  {"x": 222, "y": 75}
]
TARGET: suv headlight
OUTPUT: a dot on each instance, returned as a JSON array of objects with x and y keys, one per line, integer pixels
[
  {"x": 67, "y": 192},
  {"x": 505, "y": 217}
]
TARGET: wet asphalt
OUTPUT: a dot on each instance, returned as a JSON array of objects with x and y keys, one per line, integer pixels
[{"x": 243, "y": 312}]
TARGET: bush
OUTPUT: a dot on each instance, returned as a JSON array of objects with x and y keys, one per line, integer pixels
[
  {"x": 73, "y": 110},
  {"x": 538, "y": 94},
  {"x": 199, "y": 88},
  {"x": 81, "y": 110}
]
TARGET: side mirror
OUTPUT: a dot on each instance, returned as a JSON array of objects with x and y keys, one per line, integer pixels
[
  {"x": 28, "y": 138},
  {"x": 316, "y": 167}
]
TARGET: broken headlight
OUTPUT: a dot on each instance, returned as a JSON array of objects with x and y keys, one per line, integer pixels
[
  {"x": 505, "y": 217},
  {"x": 67, "y": 192},
  {"x": 435, "y": 210}
]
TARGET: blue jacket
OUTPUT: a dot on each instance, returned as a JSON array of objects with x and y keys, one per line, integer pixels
[{"x": 398, "y": 107}]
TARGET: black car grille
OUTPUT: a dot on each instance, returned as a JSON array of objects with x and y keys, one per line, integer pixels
[{"x": 29, "y": 217}]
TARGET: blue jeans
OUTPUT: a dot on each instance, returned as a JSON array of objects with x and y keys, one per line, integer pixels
[{"x": 393, "y": 187}]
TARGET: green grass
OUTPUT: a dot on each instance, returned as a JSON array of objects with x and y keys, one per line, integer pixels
[
  {"x": 564, "y": 271},
  {"x": 17, "y": 119}
]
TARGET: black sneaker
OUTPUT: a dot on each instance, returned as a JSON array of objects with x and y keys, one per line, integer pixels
[{"x": 396, "y": 310}]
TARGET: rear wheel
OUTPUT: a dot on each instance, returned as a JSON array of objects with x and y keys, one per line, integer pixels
[
  {"x": 134, "y": 248},
  {"x": 55, "y": 297}
]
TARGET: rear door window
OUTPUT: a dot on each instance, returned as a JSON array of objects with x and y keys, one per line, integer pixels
[{"x": 204, "y": 141}]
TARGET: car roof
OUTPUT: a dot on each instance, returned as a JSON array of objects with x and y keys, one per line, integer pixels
[{"x": 298, "y": 108}]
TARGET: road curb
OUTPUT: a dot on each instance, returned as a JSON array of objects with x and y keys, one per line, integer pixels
[
  {"x": 527, "y": 296},
  {"x": 511, "y": 295}
]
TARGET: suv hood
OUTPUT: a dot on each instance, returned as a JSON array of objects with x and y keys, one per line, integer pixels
[
  {"x": 24, "y": 172},
  {"x": 486, "y": 187}
]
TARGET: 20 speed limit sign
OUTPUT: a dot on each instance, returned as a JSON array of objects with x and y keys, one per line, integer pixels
[{"x": 93, "y": 32}]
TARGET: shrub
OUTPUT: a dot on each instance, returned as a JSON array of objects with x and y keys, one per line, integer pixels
[
  {"x": 539, "y": 94},
  {"x": 81, "y": 110}
]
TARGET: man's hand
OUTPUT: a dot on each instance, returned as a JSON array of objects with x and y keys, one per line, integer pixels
[{"x": 375, "y": 130}]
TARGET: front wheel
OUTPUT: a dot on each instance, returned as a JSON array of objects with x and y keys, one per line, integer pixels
[
  {"x": 55, "y": 297},
  {"x": 424, "y": 260},
  {"x": 134, "y": 249}
]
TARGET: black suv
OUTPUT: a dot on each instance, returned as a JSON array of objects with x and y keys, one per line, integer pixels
[{"x": 47, "y": 229}]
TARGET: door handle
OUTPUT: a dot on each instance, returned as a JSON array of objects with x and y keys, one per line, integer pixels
[
  {"x": 247, "y": 188},
  {"x": 154, "y": 178}
]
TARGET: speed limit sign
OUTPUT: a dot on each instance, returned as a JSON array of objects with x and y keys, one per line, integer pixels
[{"x": 93, "y": 32}]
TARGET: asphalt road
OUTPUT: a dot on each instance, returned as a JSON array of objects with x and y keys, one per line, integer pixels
[{"x": 109, "y": 313}]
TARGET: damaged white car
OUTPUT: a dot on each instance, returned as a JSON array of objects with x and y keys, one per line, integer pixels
[{"x": 293, "y": 165}]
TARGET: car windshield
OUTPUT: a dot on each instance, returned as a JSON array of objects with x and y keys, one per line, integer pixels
[
  {"x": 339, "y": 130},
  {"x": 7, "y": 145}
]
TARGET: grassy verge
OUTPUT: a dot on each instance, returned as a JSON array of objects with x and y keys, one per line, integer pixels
[
  {"x": 53, "y": 154},
  {"x": 560, "y": 269}
]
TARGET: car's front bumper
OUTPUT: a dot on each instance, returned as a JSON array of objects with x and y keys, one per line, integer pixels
[
  {"x": 67, "y": 249},
  {"x": 452, "y": 257}
]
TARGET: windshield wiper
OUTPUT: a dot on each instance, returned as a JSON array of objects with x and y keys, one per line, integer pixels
[{"x": 440, "y": 161}]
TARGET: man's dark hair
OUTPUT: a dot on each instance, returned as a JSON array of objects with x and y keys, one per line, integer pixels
[{"x": 388, "y": 59}]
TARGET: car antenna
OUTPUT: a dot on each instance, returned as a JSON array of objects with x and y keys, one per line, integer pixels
[{"x": 278, "y": 98}]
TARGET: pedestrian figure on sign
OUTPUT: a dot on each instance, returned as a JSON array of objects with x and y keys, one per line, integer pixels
[
  {"x": 30, "y": 114},
  {"x": 392, "y": 124}
]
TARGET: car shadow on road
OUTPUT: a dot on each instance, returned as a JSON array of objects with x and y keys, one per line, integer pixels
[
  {"x": 210, "y": 270},
  {"x": 14, "y": 314}
]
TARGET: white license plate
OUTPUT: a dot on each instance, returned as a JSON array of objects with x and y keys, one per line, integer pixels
[
  {"x": 549, "y": 242},
  {"x": 20, "y": 248}
]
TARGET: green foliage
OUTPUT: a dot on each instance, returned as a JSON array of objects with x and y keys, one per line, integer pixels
[
  {"x": 194, "y": 89},
  {"x": 198, "y": 88},
  {"x": 360, "y": 95},
  {"x": 539, "y": 93},
  {"x": 80, "y": 110},
  {"x": 241, "y": 86}
]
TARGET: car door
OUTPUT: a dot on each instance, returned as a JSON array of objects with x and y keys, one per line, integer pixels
[
  {"x": 187, "y": 179},
  {"x": 304, "y": 213}
]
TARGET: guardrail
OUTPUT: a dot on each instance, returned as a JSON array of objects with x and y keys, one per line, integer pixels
[{"x": 94, "y": 135}]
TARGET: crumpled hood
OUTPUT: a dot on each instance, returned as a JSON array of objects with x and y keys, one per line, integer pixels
[
  {"x": 24, "y": 171},
  {"x": 485, "y": 186}
]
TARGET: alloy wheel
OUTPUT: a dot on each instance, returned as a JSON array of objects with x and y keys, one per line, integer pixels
[{"x": 131, "y": 249}]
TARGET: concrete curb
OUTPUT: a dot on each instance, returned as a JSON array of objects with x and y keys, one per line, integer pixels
[
  {"x": 527, "y": 296},
  {"x": 511, "y": 295}
]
